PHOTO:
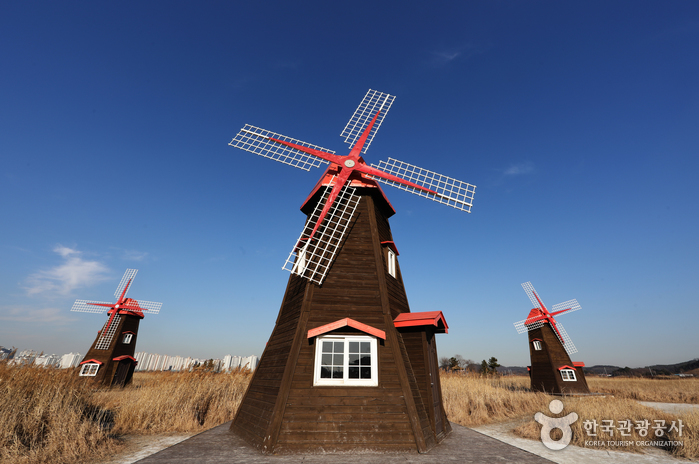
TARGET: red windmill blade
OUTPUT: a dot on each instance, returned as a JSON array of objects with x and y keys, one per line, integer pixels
[
  {"x": 539, "y": 316},
  {"x": 343, "y": 172},
  {"x": 115, "y": 309}
]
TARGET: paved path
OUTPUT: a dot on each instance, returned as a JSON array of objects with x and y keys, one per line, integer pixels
[{"x": 463, "y": 445}]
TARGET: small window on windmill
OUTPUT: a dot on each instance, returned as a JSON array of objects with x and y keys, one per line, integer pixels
[
  {"x": 89, "y": 370},
  {"x": 346, "y": 360},
  {"x": 127, "y": 338},
  {"x": 537, "y": 345},
  {"x": 568, "y": 375},
  {"x": 391, "y": 263},
  {"x": 391, "y": 252},
  {"x": 300, "y": 264}
]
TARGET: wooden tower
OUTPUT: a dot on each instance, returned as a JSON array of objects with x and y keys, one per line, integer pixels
[
  {"x": 110, "y": 360},
  {"x": 347, "y": 366},
  {"x": 550, "y": 347}
]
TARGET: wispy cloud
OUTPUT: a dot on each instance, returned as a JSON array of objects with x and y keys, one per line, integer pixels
[
  {"x": 74, "y": 272},
  {"x": 43, "y": 315},
  {"x": 520, "y": 169},
  {"x": 447, "y": 55}
]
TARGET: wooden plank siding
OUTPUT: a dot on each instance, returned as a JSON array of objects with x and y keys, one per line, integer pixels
[
  {"x": 105, "y": 374},
  {"x": 283, "y": 412},
  {"x": 545, "y": 375}
]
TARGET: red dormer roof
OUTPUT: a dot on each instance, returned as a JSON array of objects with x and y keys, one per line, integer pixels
[
  {"x": 435, "y": 318},
  {"x": 126, "y": 356},
  {"x": 566, "y": 367},
  {"x": 578, "y": 364},
  {"x": 346, "y": 322},
  {"x": 128, "y": 332},
  {"x": 92, "y": 361},
  {"x": 392, "y": 246}
]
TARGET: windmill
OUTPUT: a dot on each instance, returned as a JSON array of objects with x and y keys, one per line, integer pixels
[
  {"x": 110, "y": 360},
  {"x": 347, "y": 362},
  {"x": 550, "y": 348}
]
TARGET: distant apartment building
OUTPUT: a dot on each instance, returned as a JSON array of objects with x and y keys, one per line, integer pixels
[
  {"x": 158, "y": 362},
  {"x": 237, "y": 362},
  {"x": 47, "y": 360},
  {"x": 70, "y": 360},
  {"x": 6, "y": 354}
]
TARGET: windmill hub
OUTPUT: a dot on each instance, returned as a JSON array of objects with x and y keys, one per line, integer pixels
[{"x": 349, "y": 163}]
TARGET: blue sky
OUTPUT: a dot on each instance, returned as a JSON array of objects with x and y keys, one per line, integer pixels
[{"x": 577, "y": 122}]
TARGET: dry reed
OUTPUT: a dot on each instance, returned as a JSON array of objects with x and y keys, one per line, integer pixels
[
  {"x": 663, "y": 390},
  {"x": 161, "y": 402},
  {"x": 49, "y": 415},
  {"x": 471, "y": 399},
  {"x": 46, "y": 416}
]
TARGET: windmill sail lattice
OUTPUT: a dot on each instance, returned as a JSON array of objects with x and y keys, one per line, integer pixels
[
  {"x": 451, "y": 192},
  {"x": 258, "y": 141},
  {"x": 540, "y": 316},
  {"x": 312, "y": 259},
  {"x": 107, "y": 333},
  {"x": 372, "y": 103}
]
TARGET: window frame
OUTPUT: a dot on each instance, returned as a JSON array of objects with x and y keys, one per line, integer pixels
[
  {"x": 537, "y": 345},
  {"x": 570, "y": 373},
  {"x": 87, "y": 371},
  {"x": 345, "y": 381},
  {"x": 391, "y": 262},
  {"x": 127, "y": 338}
]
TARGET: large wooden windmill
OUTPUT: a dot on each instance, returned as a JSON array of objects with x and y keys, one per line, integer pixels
[
  {"x": 110, "y": 360},
  {"x": 348, "y": 365},
  {"x": 550, "y": 347}
]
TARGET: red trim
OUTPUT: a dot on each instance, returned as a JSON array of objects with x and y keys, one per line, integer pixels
[
  {"x": 578, "y": 364},
  {"x": 537, "y": 340},
  {"x": 128, "y": 332},
  {"x": 344, "y": 323},
  {"x": 529, "y": 368},
  {"x": 126, "y": 356},
  {"x": 92, "y": 361},
  {"x": 566, "y": 367},
  {"x": 392, "y": 246},
  {"x": 435, "y": 318}
]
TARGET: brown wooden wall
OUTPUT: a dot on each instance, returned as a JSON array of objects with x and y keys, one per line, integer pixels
[
  {"x": 105, "y": 374},
  {"x": 283, "y": 412},
  {"x": 545, "y": 375}
]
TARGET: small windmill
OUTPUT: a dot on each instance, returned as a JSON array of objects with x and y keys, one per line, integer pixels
[
  {"x": 110, "y": 360},
  {"x": 345, "y": 319},
  {"x": 550, "y": 348}
]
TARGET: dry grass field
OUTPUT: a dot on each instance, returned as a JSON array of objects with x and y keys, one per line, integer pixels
[{"x": 53, "y": 416}]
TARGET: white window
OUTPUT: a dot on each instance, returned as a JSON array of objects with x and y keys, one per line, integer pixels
[
  {"x": 89, "y": 369},
  {"x": 568, "y": 375},
  {"x": 346, "y": 360},
  {"x": 300, "y": 264},
  {"x": 127, "y": 339},
  {"x": 537, "y": 345},
  {"x": 391, "y": 263}
]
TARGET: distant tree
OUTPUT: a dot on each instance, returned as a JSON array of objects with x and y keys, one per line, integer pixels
[
  {"x": 493, "y": 365},
  {"x": 444, "y": 363},
  {"x": 484, "y": 367}
]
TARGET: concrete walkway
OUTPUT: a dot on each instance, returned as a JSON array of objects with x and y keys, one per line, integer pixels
[{"x": 463, "y": 445}]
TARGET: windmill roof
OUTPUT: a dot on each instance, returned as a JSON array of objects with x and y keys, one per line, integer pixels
[
  {"x": 354, "y": 181},
  {"x": 533, "y": 314},
  {"x": 435, "y": 318}
]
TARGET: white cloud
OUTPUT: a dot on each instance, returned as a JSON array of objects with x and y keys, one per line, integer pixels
[
  {"x": 74, "y": 272},
  {"x": 519, "y": 169},
  {"x": 43, "y": 315}
]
